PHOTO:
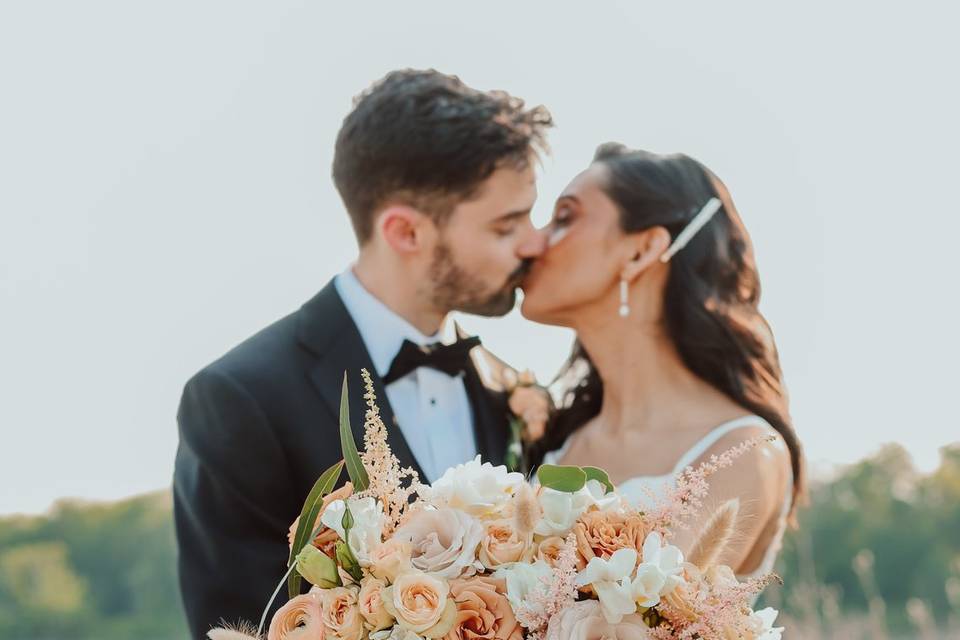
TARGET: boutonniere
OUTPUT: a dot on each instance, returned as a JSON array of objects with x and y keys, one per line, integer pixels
[{"x": 530, "y": 406}]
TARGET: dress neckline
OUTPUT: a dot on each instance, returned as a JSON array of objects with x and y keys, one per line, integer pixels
[{"x": 689, "y": 456}]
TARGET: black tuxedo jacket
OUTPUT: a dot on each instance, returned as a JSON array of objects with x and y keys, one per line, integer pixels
[{"x": 257, "y": 428}]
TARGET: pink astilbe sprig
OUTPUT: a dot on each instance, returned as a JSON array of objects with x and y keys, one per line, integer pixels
[
  {"x": 685, "y": 498},
  {"x": 387, "y": 477},
  {"x": 555, "y": 593},
  {"x": 713, "y": 612}
]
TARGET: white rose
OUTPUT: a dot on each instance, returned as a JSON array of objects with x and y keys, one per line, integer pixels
[
  {"x": 522, "y": 579},
  {"x": 367, "y": 531},
  {"x": 443, "y": 542},
  {"x": 561, "y": 509},
  {"x": 476, "y": 488}
]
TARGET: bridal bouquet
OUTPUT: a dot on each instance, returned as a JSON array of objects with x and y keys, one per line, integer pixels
[{"x": 481, "y": 553}]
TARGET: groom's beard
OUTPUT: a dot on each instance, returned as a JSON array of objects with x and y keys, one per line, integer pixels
[{"x": 454, "y": 289}]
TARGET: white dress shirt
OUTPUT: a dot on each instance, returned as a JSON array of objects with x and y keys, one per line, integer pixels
[{"x": 431, "y": 407}]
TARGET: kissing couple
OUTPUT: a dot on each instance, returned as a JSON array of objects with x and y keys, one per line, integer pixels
[{"x": 645, "y": 258}]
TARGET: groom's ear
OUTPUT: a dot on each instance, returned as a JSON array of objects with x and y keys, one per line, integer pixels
[
  {"x": 646, "y": 247},
  {"x": 403, "y": 228}
]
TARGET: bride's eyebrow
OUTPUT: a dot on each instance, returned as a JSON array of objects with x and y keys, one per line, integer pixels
[{"x": 570, "y": 197}]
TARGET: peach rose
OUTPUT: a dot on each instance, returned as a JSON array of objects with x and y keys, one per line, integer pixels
[
  {"x": 390, "y": 559},
  {"x": 502, "y": 544},
  {"x": 548, "y": 550},
  {"x": 600, "y": 533},
  {"x": 299, "y": 619},
  {"x": 584, "y": 621},
  {"x": 371, "y": 604},
  {"x": 420, "y": 603},
  {"x": 340, "y": 613},
  {"x": 327, "y": 538},
  {"x": 483, "y": 611}
]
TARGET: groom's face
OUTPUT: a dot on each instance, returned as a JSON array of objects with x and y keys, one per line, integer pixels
[{"x": 484, "y": 249}]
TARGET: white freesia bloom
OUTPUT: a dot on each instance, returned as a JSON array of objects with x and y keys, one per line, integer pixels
[
  {"x": 648, "y": 586},
  {"x": 367, "y": 530},
  {"x": 620, "y": 565},
  {"x": 761, "y": 623},
  {"x": 659, "y": 560},
  {"x": 522, "y": 579},
  {"x": 475, "y": 487},
  {"x": 611, "y": 580},
  {"x": 561, "y": 509}
]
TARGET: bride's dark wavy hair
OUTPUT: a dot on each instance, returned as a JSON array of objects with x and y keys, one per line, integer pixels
[{"x": 710, "y": 300}]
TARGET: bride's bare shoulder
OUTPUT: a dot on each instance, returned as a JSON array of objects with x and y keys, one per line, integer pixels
[{"x": 762, "y": 473}]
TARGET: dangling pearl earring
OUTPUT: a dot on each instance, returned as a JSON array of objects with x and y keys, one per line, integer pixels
[{"x": 624, "y": 293}]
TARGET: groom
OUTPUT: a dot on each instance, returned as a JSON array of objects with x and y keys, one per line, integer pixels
[{"x": 438, "y": 180}]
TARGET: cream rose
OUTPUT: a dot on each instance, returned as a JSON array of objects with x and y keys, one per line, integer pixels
[
  {"x": 443, "y": 542},
  {"x": 548, "y": 550},
  {"x": 584, "y": 621},
  {"x": 391, "y": 559},
  {"x": 483, "y": 611},
  {"x": 299, "y": 619},
  {"x": 502, "y": 544},
  {"x": 476, "y": 488},
  {"x": 370, "y": 601},
  {"x": 420, "y": 603},
  {"x": 341, "y": 615}
]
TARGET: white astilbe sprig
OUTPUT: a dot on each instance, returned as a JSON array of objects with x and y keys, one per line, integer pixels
[{"x": 387, "y": 477}]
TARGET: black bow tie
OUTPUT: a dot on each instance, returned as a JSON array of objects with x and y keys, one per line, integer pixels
[{"x": 449, "y": 358}]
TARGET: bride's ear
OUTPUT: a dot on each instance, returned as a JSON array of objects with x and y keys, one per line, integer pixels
[{"x": 646, "y": 247}]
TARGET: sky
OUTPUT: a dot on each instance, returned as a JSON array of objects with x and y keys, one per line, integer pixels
[{"x": 166, "y": 193}]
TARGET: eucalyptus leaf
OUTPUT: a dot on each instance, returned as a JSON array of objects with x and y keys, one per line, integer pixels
[
  {"x": 308, "y": 516},
  {"x": 568, "y": 479},
  {"x": 594, "y": 473},
  {"x": 355, "y": 468}
]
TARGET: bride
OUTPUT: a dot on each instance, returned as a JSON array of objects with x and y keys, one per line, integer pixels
[{"x": 650, "y": 264}]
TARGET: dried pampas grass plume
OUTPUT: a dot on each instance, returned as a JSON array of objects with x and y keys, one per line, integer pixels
[
  {"x": 526, "y": 510},
  {"x": 716, "y": 535},
  {"x": 241, "y": 631}
]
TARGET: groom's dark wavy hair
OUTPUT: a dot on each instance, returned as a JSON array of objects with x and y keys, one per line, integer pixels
[
  {"x": 427, "y": 140},
  {"x": 710, "y": 301}
]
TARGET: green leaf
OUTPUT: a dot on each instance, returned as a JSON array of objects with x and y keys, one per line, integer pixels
[
  {"x": 346, "y": 559},
  {"x": 308, "y": 516},
  {"x": 568, "y": 479},
  {"x": 593, "y": 473},
  {"x": 355, "y": 469}
]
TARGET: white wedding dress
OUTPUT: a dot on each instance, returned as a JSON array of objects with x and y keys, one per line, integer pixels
[{"x": 637, "y": 491}]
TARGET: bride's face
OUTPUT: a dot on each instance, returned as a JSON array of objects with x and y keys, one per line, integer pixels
[{"x": 585, "y": 254}]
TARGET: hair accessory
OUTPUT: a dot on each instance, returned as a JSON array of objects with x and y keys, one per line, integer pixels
[{"x": 713, "y": 205}]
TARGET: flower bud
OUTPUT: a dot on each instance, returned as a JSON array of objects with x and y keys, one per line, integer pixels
[{"x": 317, "y": 567}]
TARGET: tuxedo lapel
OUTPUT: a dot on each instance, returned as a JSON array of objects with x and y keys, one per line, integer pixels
[
  {"x": 328, "y": 332},
  {"x": 489, "y": 417}
]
